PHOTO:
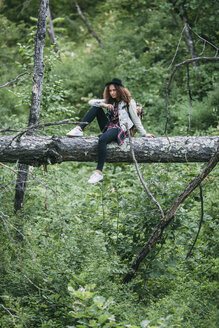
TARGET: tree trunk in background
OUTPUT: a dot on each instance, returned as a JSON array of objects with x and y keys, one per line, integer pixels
[
  {"x": 189, "y": 40},
  {"x": 51, "y": 32},
  {"x": 20, "y": 186},
  {"x": 38, "y": 150},
  {"x": 36, "y": 99}
]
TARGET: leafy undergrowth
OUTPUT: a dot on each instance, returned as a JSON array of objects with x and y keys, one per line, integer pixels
[{"x": 80, "y": 239}]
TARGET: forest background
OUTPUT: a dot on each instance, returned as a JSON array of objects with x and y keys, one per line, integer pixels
[{"x": 64, "y": 255}]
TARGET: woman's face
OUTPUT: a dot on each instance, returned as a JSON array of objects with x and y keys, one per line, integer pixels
[{"x": 113, "y": 91}]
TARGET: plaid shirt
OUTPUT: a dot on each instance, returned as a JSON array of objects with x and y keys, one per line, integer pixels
[{"x": 113, "y": 123}]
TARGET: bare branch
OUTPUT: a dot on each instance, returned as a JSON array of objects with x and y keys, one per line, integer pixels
[
  {"x": 6, "y": 166},
  {"x": 10, "y": 82},
  {"x": 33, "y": 127},
  {"x": 32, "y": 283},
  {"x": 177, "y": 48},
  {"x": 40, "y": 126},
  {"x": 190, "y": 96},
  {"x": 205, "y": 41},
  {"x": 28, "y": 181},
  {"x": 3, "y": 217},
  {"x": 189, "y": 41},
  {"x": 51, "y": 32},
  {"x": 9, "y": 130},
  {"x": 86, "y": 23},
  {"x": 200, "y": 223},
  {"x": 141, "y": 178},
  {"x": 164, "y": 222},
  {"x": 13, "y": 316},
  {"x": 204, "y": 44}
]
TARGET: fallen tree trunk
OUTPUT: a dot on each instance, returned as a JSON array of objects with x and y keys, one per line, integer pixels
[{"x": 38, "y": 150}]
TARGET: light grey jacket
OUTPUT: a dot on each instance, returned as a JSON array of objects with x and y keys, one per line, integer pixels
[{"x": 124, "y": 117}]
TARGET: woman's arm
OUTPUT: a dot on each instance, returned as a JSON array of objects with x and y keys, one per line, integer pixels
[
  {"x": 100, "y": 103},
  {"x": 96, "y": 102}
]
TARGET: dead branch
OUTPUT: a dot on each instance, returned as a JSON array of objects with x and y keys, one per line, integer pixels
[
  {"x": 190, "y": 96},
  {"x": 177, "y": 48},
  {"x": 141, "y": 178},
  {"x": 51, "y": 31},
  {"x": 200, "y": 223},
  {"x": 205, "y": 41},
  {"x": 40, "y": 126},
  {"x": 40, "y": 181},
  {"x": 17, "y": 77},
  {"x": 87, "y": 24},
  {"x": 9, "y": 168},
  {"x": 9, "y": 312},
  {"x": 164, "y": 222},
  {"x": 35, "y": 126}
]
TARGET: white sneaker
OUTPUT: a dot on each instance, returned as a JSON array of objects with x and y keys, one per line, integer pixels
[
  {"x": 76, "y": 132},
  {"x": 96, "y": 177}
]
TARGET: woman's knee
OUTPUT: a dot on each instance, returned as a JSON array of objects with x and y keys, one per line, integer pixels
[
  {"x": 102, "y": 139},
  {"x": 98, "y": 110}
]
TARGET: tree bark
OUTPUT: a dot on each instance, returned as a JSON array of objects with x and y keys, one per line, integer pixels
[
  {"x": 189, "y": 40},
  {"x": 38, "y": 150},
  {"x": 51, "y": 31},
  {"x": 36, "y": 99}
]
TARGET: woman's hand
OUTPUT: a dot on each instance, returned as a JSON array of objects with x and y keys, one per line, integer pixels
[
  {"x": 107, "y": 106},
  {"x": 148, "y": 135}
]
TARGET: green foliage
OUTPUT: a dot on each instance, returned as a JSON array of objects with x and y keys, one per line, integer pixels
[{"x": 64, "y": 256}]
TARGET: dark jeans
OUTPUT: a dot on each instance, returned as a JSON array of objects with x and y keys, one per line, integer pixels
[{"x": 104, "y": 138}]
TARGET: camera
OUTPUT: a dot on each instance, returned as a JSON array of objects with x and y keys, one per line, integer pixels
[{"x": 110, "y": 114}]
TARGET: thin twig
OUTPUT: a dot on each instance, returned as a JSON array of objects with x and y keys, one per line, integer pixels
[
  {"x": 103, "y": 210},
  {"x": 10, "y": 82},
  {"x": 140, "y": 176},
  {"x": 40, "y": 126},
  {"x": 51, "y": 32},
  {"x": 29, "y": 181},
  {"x": 177, "y": 48},
  {"x": 17, "y": 230},
  {"x": 190, "y": 96},
  {"x": 13, "y": 316},
  {"x": 6, "y": 227},
  {"x": 9, "y": 168},
  {"x": 200, "y": 223},
  {"x": 34, "y": 126},
  {"x": 32, "y": 283},
  {"x": 86, "y": 23},
  {"x": 204, "y": 44},
  {"x": 206, "y": 41}
]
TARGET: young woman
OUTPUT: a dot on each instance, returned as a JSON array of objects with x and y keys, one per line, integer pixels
[{"x": 113, "y": 125}]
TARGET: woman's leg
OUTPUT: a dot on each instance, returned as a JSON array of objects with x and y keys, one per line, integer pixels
[
  {"x": 104, "y": 139},
  {"x": 90, "y": 116}
]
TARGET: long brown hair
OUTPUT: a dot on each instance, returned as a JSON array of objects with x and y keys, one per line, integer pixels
[{"x": 122, "y": 94}]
